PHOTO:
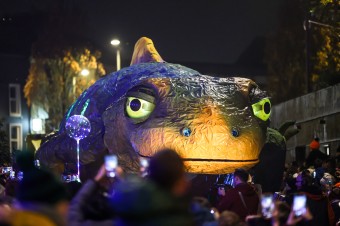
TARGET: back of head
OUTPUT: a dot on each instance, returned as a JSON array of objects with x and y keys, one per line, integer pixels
[
  {"x": 283, "y": 210},
  {"x": 38, "y": 185},
  {"x": 201, "y": 210},
  {"x": 25, "y": 160},
  {"x": 228, "y": 218},
  {"x": 242, "y": 174},
  {"x": 306, "y": 179},
  {"x": 166, "y": 168}
]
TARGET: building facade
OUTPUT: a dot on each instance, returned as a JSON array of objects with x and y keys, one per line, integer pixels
[
  {"x": 317, "y": 114},
  {"x": 14, "y": 111}
]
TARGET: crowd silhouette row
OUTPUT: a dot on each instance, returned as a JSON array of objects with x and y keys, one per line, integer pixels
[{"x": 160, "y": 195}]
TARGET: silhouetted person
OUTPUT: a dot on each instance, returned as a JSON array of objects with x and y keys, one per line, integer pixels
[
  {"x": 160, "y": 199},
  {"x": 42, "y": 198},
  {"x": 315, "y": 153},
  {"x": 317, "y": 202},
  {"x": 242, "y": 199}
]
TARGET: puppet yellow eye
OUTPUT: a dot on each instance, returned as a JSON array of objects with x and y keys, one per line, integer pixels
[
  {"x": 137, "y": 108},
  {"x": 262, "y": 109}
]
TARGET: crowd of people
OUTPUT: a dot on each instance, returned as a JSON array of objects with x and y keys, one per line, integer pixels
[{"x": 161, "y": 196}]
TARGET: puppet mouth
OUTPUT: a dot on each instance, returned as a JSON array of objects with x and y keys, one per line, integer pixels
[{"x": 218, "y": 160}]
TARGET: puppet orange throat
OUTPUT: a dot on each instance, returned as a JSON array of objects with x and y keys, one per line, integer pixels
[
  {"x": 211, "y": 160},
  {"x": 218, "y": 160}
]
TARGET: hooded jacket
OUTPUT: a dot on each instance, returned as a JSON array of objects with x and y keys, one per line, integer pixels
[
  {"x": 233, "y": 202},
  {"x": 142, "y": 202}
]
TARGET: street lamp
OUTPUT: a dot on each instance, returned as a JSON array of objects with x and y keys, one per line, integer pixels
[
  {"x": 115, "y": 43},
  {"x": 85, "y": 72}
]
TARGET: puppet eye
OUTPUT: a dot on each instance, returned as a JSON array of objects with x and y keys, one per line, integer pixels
[
  {"x": 137, "y": 108},
  {"x": 262, "y": 109}
]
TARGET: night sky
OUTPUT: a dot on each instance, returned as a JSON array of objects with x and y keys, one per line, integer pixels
[
  {"x": 210, "y": 31},
  {"x": 213, "y": 31}
]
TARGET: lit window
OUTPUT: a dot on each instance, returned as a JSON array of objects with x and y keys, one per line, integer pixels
[
  {"x": 14, "y": 100},
  {"x": 15, "y": 136}
]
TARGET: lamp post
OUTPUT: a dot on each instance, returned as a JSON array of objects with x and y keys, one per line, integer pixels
[
  {"x": 115, "y": 43},
  {"x": 307, "y": 25}
]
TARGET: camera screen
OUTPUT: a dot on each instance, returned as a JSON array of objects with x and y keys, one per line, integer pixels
[
  {"x": 299, "y": 205},
  {"x": 267, "y": 205},
  {"x": 144, "y": 162},
  {"x": 6, "y": 169},
  {"x": 111, "y": 162}
]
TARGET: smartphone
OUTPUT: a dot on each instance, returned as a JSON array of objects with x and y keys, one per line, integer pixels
[
  {"x": 37, "y": 163},
  {"x": 111, "y": 162},
  {"x": 299, "y": 204},
  {"x": 6, "y": 169},
  {"x": 144, "y": 164},
  {"x": 20, "y": 175},
  {"x": 12, "y": 175},
  {"x": 267, "y": 204}
]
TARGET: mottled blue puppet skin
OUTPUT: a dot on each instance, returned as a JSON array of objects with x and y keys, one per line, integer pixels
[
  {"x": 190, "y": 85},
  {"x": 59, "y": 148}
]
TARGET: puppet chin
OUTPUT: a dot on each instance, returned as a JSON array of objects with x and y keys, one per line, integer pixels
[{"x": 213, "y": 167}]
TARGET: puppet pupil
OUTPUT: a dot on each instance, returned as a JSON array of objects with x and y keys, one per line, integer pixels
[
  {"x": 266, "y": 108},
  {"x": 186, "y": 132},
  {"x": 135, "y": 105},
  {"x": 235, "y": 133}
]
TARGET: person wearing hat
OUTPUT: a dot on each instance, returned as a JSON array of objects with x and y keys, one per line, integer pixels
[
  {"x": 41, "y": 199},
  {"x": 315, "y": 153}
]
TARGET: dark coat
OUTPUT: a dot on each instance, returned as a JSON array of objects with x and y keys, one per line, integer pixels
[
  {"x": 320, "y": 208},
  {"x": 313, "y": 155},
  {"x": 77, "y": 215},
  {"x": 232, "y": 201},
  {"x": 141, "y": 202}
]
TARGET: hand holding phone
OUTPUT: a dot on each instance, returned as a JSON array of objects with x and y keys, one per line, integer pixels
[
  {"x": 6, "y": 170},
  {"x": 144, "y": 164},
  {"x": 12, "y": 175},
  {"x": 299, "y": 204},
  {"x": 267, "y": 205},
  {"x": 111, "y": 162}
]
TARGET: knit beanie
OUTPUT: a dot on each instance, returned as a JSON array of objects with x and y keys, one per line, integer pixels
[
  {"x": 314, "y": 144},
  {"x": 38, "y": 185}
]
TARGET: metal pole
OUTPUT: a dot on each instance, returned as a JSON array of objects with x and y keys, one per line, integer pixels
[
  {"x": 118, "y": 59},
  {"x": 78, "y": 164},
  {"x": 307, "y": 46}
]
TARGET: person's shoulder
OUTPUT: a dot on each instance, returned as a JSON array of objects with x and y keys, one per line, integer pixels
[{"x": 231, "y": 191}]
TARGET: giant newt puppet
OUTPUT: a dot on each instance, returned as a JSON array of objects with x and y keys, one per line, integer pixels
[{"x": 215, "y": 124}]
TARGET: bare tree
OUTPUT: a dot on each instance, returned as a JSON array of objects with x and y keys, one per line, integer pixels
[{"x": 58, "y": 57}]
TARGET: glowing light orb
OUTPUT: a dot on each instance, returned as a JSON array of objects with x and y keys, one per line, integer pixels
[{"x": 78, "y": 127}]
